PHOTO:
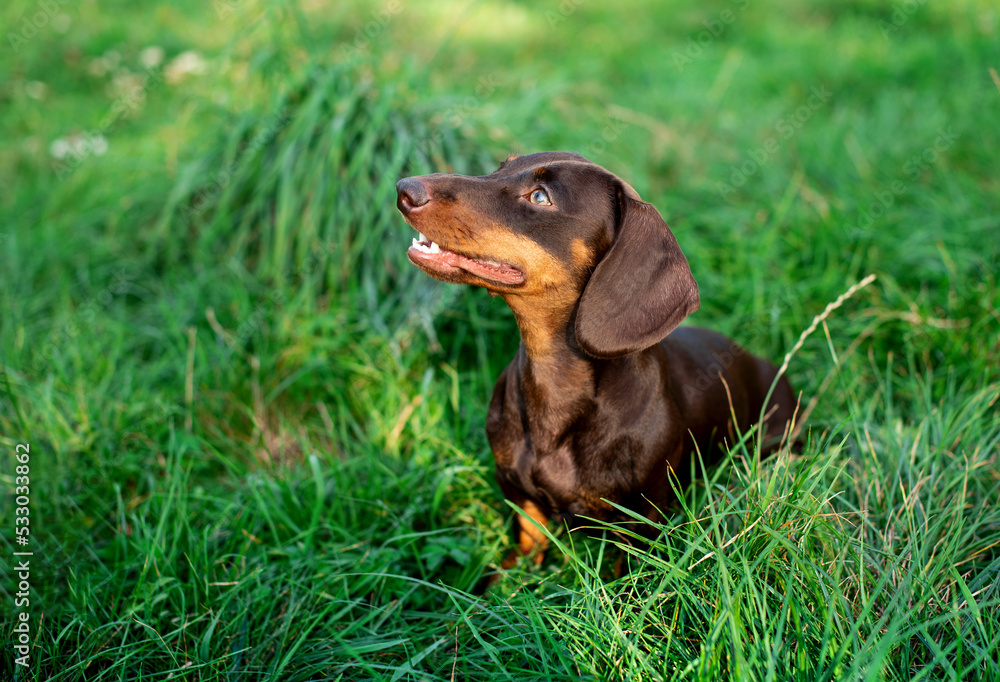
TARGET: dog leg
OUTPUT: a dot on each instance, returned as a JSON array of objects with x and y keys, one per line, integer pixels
[{"x": 531, "y": 541}]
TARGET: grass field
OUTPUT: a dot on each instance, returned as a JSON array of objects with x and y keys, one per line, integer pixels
[{"x": 257, "y": 445}]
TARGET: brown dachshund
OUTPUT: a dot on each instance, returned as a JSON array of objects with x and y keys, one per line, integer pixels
[{"x": 605, "y": 400}]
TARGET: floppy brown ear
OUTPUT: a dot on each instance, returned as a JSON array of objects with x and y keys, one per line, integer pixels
[{"x": 642, "y": 288}]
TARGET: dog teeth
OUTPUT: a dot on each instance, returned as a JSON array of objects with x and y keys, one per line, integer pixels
[{"x": 419, "y": 245}]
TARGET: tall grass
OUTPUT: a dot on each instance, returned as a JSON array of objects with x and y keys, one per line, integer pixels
[{"x": 259, "y": 432}]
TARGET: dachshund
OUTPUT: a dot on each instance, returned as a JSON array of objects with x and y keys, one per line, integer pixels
[{"x": 606, "y": 399}]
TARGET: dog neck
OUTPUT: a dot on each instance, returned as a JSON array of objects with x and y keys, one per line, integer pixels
[{"x": 555, "y": 375}]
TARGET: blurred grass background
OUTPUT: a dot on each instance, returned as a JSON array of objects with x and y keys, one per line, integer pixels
[{"x": 257, "y": 433}]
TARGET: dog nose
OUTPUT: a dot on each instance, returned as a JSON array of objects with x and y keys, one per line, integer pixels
[{"x": 411, "y": 194}]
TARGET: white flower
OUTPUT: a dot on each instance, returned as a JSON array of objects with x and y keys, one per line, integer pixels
[
  {"x": 98, "y": 143},
  {"x": 59, "y": 148},
  {"x": 79, "y": 146},
  {"x": 97, "y": 66},
  {"x": 183, "y": 65},
  {"x": 151, "y": 56}
]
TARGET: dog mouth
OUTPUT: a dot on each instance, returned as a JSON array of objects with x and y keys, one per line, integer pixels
[{"x": 437, "y": 260}]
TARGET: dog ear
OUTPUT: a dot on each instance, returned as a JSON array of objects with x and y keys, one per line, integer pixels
[{"x": 642, "y": 288}]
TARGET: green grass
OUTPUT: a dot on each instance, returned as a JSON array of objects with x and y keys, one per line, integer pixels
[{"x": 257, "y": 434}]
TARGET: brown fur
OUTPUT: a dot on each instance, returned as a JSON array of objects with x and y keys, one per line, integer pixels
[{"x": 605, "y": 400}]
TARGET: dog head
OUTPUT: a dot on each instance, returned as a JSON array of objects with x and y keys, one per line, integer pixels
[{"x": 558, "y": 235}]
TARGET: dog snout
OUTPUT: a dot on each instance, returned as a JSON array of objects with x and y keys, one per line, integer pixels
[{"x": 411, "y": 194}]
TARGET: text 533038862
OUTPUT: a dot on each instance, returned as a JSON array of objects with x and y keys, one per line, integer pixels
[{"x": 22, "y": 492}]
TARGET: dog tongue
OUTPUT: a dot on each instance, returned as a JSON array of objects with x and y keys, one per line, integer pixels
[{"x": 490, "y": 270}]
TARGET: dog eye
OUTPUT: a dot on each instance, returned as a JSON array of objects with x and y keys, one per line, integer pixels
[{"x": 540, "y": 198}]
